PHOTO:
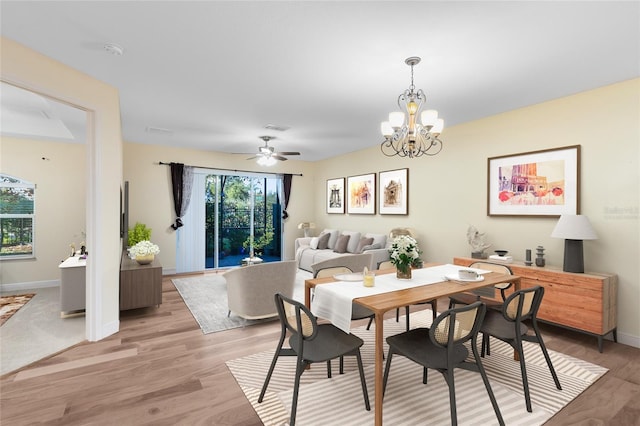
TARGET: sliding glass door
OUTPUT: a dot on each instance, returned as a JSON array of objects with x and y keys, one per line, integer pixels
[{"x": 243, "y": 220}]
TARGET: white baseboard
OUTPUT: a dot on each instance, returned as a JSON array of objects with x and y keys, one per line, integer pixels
[
  {"x": 108, "y": 329},
  {"x": 5, "y": 288},
  {"x": 629, "y": 339},
  {"x": 168, "y": 271}
]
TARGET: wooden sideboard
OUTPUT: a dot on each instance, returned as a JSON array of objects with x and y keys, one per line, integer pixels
[
  {"x": 582, "y": 302},
  {"x": 140, "y": 285}
]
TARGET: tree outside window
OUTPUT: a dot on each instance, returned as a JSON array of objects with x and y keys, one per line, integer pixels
[{"x": 17, "y": 214}]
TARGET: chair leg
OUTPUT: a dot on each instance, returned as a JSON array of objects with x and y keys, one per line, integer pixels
[
  {"x": 370, "y": 322},
  {"x": 523, "y": 372},
  {"x": 434, "y": 309},
  {"x": 363, "y": 381},
  {"x": 406, "y": 314},
  {"x": 387, "y": 367},
  {"x": 546, "y": 356},
  {"x": 228, "y": 314},
  {"x": 341, "y": 365},
  {"x": 452, "y": 397},
  {"x": 300, "y": 366},
  {"x": 485, "y": 379},
  {"x": 425, "y": 375},
  {"x": 329, "y": 369},
  {"x": 271, "y": 368},
  {"x": 397, "y": 314}
]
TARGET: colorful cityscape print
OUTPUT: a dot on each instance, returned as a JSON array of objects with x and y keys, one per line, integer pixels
[{"x": 532, "y": 184}]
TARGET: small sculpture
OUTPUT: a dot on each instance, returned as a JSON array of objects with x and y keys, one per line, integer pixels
[{"x": 476, "y": 241}]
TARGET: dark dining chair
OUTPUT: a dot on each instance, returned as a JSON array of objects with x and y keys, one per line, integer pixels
[
  {"x": 507, "y": 325},
  {"x": 387, "y": 264},
  {"x": 484, "y": 294},
  {"x": 442, "y": 348},
  {"x": 311, "y": 342}
]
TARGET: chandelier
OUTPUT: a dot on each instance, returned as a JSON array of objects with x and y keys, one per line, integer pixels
[{"x": 408, "y": 137}]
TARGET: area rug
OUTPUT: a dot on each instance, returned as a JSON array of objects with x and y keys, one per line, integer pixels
[
  {"x": 407, "y": 401},
  {"x": 9, "y": 305},
  {"x": 206, "y": 298}
]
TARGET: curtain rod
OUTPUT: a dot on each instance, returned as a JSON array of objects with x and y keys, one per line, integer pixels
[{"x": 234, "y": 170}]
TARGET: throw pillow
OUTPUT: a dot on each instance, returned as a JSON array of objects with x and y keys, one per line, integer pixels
[
  {"x": 341, "y": 244},
  {"x": 363, "y": 242},
  {"x": 371, "y": 247},
  {"x": 314, "y": 243},
  {"x": 323, "y": 241}
]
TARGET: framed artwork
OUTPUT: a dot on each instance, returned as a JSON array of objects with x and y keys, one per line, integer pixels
[
  {"x": 335, "y": 195},
  {"x": 393, "y": 195},
  {"x": 536, "y": 183},
  {"x": 361, "y": 195}
]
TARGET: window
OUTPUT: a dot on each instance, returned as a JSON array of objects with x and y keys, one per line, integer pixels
[{"x": 17, "y": 208}]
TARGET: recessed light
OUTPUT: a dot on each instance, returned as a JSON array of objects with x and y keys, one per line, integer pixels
[{"x": 114, "y": 49}]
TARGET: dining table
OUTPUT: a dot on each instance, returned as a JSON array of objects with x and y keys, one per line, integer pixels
[{"x": 426, "y": 285}]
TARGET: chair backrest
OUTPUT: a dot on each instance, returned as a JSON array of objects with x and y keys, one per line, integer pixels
[
  {"x": 296, "y": 317},
  {"x": 329, "y": 272},
  {"x": 386, "y": 265},
  {"x": 494, "y": 267},
  {"x": 355, "y": 262},
  {"x": 466, "y": 321},
  {"x": 523, "y": 304}
]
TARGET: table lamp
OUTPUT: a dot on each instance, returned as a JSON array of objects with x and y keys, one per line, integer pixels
[
  {"x": 574, "y": 229},
  {"x": 306, "y": 226}
]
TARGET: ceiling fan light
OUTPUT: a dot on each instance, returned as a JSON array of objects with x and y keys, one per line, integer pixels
[{"x": 266, "y": 161}]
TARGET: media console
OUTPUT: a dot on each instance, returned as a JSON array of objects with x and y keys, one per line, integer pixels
[{"x": 140, "y": 285}]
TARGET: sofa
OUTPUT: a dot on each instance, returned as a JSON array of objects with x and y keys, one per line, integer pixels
[
  {"x": 332, "y": 243},
  {"x": 250, "y": 289}
]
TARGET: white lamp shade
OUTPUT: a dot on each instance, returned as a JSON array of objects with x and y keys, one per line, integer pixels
[
  {"x": 574, "y": 227},
  {"x": 429, "y": 117},
  {"x": 438, "y": 126},
  {"x": 386, "y": 129},
  {"x": 266, "y": 161},
  {"x": 396, "y": 119}
]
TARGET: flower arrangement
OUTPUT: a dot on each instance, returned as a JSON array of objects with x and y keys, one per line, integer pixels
[
  {"x": 143, "y": 248},
  {"x": 404, "y": 253}
]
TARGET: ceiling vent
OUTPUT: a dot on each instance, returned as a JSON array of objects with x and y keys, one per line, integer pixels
[
  {"x": 159, "y": 131},
  {"x": 277, "y": 127}
]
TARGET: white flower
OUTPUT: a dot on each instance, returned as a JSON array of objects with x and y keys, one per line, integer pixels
[
  {"x": 143, "y": 248},
  {"x": 404, "y": 250}
]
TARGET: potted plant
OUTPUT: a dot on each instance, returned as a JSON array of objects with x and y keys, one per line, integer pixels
[
  {"x": 138, "y": 233},
  {"x": 144, "y": 252}
]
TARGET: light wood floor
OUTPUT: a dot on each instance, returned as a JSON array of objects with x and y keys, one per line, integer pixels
[{"x": 160, "y": 369}]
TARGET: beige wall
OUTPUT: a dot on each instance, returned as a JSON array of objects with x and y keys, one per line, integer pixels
[
  {"x": 447, "y": 192},
  {"x": 151, "y": 199},
  {"x": 26, "y": 68},
  {"x": 60, "y": 203}
]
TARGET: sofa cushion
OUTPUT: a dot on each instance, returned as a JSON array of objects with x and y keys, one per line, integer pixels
[
  {"x": 334, "y": 234},
  {"x": 378, "y": 239},
  {"x": 353, "y": 240},
  {"x": 364, "y": 242},
  {"x": 342, "y": 243},
  {"x": 323, "y": 241},
  {"x": 314, "y": 242},
  {"x": 371, "y": 247}
]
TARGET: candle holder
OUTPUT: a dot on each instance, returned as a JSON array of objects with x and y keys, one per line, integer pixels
[{"x": 528, "y": 261}]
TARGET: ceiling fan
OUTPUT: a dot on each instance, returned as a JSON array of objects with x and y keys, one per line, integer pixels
[{"x": 266, "y": 154}]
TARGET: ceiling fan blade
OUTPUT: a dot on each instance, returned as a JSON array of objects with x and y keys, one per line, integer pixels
[
  {"x": 279, "y": 157},
  {"x": 254, "y": 157},
  {"x": 287, "y": 153},
  {"x": 243, "y": 153}
]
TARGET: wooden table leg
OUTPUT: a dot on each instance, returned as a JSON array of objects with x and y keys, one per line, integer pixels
[{"x": 379, "y": 365}]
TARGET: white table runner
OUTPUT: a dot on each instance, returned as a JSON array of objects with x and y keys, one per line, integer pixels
[{"x": 334, "y": 301}]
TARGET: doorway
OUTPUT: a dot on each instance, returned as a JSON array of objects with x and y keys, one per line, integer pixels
[{"x": 243, "y": 219}]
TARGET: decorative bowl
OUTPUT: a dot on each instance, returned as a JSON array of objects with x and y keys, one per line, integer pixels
[{"x": 501, "y": 252}]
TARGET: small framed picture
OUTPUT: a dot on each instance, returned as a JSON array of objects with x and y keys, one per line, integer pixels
[
  {"x": 536, "y": 183},
  {"x": 393, "y": 195},
  {"x": 335, "y": 196},
  {"x": 361, "y": 195}
]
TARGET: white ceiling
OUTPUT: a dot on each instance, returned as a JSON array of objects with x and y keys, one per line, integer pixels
[{"x": 215, "y": 73}]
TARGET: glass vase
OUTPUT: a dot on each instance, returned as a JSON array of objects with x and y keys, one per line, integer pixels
[{"x": 403, "y": 272}]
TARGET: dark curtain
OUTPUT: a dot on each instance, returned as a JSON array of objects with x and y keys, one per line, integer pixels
[
  {"x": 286, "y": 181},
  {"x": 181, "y": 183}
]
